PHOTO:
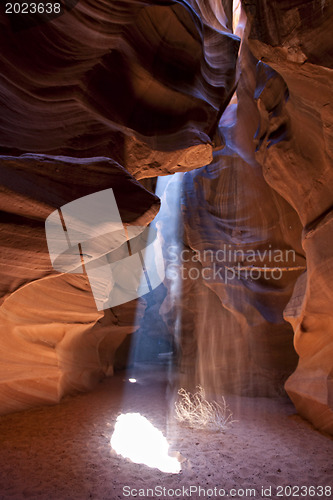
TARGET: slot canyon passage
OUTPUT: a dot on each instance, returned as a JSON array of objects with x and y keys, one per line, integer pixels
[{"x": 210, "y": 123}]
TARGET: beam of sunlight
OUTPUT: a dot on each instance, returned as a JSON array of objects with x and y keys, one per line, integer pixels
[
  {"x": 153, "y": 351},
  {"x": 136, "y": 438},
  {"x": 149, "y": 347},
  {"x": 237, "y": 8},
  {"x": 168, "y": 222}
]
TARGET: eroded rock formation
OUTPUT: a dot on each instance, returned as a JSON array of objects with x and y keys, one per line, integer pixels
[
  {"x": 103, "y": 95},
  {"x": 295, "y": 151},
  {"x": 85, "y": 83},
  {"x": 278, "y": 135},
  {"x": 92, "y": 86},
  {"x": 53, "y": 338}
]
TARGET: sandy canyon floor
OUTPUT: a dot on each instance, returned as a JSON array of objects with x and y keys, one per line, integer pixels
[{"x": 63, "y": 452}]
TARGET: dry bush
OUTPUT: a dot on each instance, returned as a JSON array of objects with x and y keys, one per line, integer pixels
[{"x": 197, "y": 412}]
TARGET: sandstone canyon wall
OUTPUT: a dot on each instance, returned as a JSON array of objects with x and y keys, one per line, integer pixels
[
  {"x": 278, "y": 127},
  {"x": 295, "y": 151},
  {"x": 107, "y": 94},
  {"x": 93, "y": 99}
]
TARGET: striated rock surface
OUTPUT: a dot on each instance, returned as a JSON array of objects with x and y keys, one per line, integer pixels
[
  {"x": 97, "y": 85},
  {"x": 108, "y": 93},
  {"x": 271, "y": 187},
  {"x": 33, "y": 186},
  {"x": 247, "y": 262},
  {"x": 240, "y": 262},
  {"x": 294, "y": 99},
  {"x": 53, "y": 340},
  {"x": 95, "y": 79}
]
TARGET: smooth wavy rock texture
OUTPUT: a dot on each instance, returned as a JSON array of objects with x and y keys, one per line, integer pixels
[
  {"x": 104, "y": 72},
  {"x": 111, "y": 92},
  {"x": 271, "y": 187},
  {"x": 97, "y": 84},
  {"x": 235, "y": 318},
  {"x": 53, "y": 338},
  {"x": 294, "y": 99}
]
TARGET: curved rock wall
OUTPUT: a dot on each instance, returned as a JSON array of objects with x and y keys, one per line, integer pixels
[
  {"x": 246, "y": 238},
  {"x": 78, "y": 84},
  {"x": 271, "y": 186},
  {"x": 53, "y": 340},
  {"x": 295, "y": 151},
  {"x": 107, "y": 93},
  {"x": 97, "y": 85}
]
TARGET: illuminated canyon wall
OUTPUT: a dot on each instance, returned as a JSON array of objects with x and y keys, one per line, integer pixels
[{"x": 104, "y": 96}]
